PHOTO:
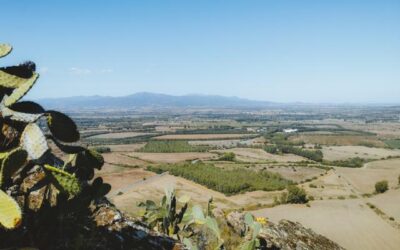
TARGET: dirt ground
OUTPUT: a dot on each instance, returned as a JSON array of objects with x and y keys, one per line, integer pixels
[
  {"x": 388, "y": 202},
  {"x": 364, "y": 179},
  {"x": 123, "y": 159},
  {"x": 350, "y": 223},
  {"x": 297, "y": 174},
  {"x": 345, "y": 152},
  {"x": 171, "y": 157},
  {"x": 256, "y": 155}
]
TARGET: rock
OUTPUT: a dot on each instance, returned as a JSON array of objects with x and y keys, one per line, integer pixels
[
  {"x": 236, "y": 221},
  {"x": 285, "y": 235},
  {"x": 100, "y": 225}
]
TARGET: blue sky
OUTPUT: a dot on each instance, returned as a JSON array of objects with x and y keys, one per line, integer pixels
[{"x": 285, "y": 51}]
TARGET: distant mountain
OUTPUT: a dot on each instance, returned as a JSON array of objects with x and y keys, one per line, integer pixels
[{"x": 145, "y": 99}]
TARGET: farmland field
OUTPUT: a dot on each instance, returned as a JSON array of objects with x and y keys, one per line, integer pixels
[
  {"x": 201, "y": 136},
  {"x": 336, "y": 162},
  {"x": 346, "y": 152},
  {"x": 117, "y": 135}
]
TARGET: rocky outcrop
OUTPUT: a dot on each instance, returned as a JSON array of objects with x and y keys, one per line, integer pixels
[
  {"x": 98, "y": 225},
  {"x": 286, "y": 235}
]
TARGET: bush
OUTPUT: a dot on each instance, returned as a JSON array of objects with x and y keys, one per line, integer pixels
[
  {"x": 399, "y": 179},
  {"x": 381, "y": 186},
  {"x": 102, "y": 150},
  {"x": 312, "y": 185},
  {"x": 228, "y": 156},
  {"x": 355, "y": 162},
  {"x": 294, "y": 195}
]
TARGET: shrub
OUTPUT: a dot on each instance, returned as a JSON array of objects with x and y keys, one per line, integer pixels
[
  {"x": 355, "y": 162},
  {"x": 381, "y": 186},
  {"x": 228, "y": 156},
  {"x": 312, "y": 185},
  {"x": 294, "y": 195},
  {"x": 102, "y": 150}
]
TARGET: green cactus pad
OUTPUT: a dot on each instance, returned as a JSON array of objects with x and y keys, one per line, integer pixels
[
  {"x": 5, "y": 49},
  {"x": 33, "y": 141},
  {"x": 65, "y": 181},
  {"x": 15, "y": 160},
  {"x": 14, "y": 82},
  {"x": 27, "y": 107},
  {"x": 21, "y": 90},
  {"x": 24, "y": 70},
  {"x": 62, "y": 127},
  {"x": 19, "y": 116},
  {"x": 10, "y": 212},
  {"x": 90, "y": 158}
]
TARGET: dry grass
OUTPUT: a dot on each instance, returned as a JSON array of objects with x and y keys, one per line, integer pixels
[
  {"x": 388, "y": 203},
  {"x": 172, "y": 157},
  {"x": 256, "y": 155},
  {"x": 343, "y": 140},
  {"x": 364, "y": 179},
  {"x": 122, "y": 159},
  {"x": 345, "y": 152},
  {"x": 350, "y": 223},
  {"x": 297, "y": 174}
]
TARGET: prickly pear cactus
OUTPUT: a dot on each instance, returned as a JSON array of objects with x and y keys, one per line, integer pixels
[
  {"x": 10, "y": 213},
  {"x": 27, "y": 166}
]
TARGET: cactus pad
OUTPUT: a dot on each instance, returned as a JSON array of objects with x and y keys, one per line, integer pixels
[
  {"x": 12, "y": 162},
  {"x": 21, "y": 90},
  {"x": 65, "y": 181},
  {"x": 33, "y": 141},
  {"x": 27, "y": 107},
  {"x": 5, "y": 49},
  {"x": 10, "y": 213},
  {"x": 62, "y": 127}
]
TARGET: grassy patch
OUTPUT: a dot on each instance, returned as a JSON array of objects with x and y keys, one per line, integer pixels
[
  {"x": 355, "y": 162},
  {"x": 171, "y": 147},
  {"x": 225, "y": 181},
  {"x": 394, "y": 143}
]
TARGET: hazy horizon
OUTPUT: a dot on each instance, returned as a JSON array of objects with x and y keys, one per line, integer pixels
[
  {"x": 216, "y": 95},
  {"x": 278, "y": 51}
]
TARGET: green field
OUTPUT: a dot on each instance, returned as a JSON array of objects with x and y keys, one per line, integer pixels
[
  {"x": 171, "y": 147},
  {"x": 226, "y": 181}
]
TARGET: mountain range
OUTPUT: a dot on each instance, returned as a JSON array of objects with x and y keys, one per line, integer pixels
[{"x": 146, "y": 99}]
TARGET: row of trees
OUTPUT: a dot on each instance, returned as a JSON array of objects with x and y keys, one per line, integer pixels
[
  {"x": 171, "y": 147},
  {"x": 225, "y": 181},
  {"x": 315, "y": 155}
]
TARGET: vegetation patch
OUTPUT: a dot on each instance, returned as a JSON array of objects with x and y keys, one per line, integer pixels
[
  {"x": 355, "y": 162},
  {"x": 394, "y": 143},
  {"x": 226, "y": 181},
  {"x": 381, "y": 186},
  {"x": 315, "y": 155},
  {"x": 171, "y": 147}
]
